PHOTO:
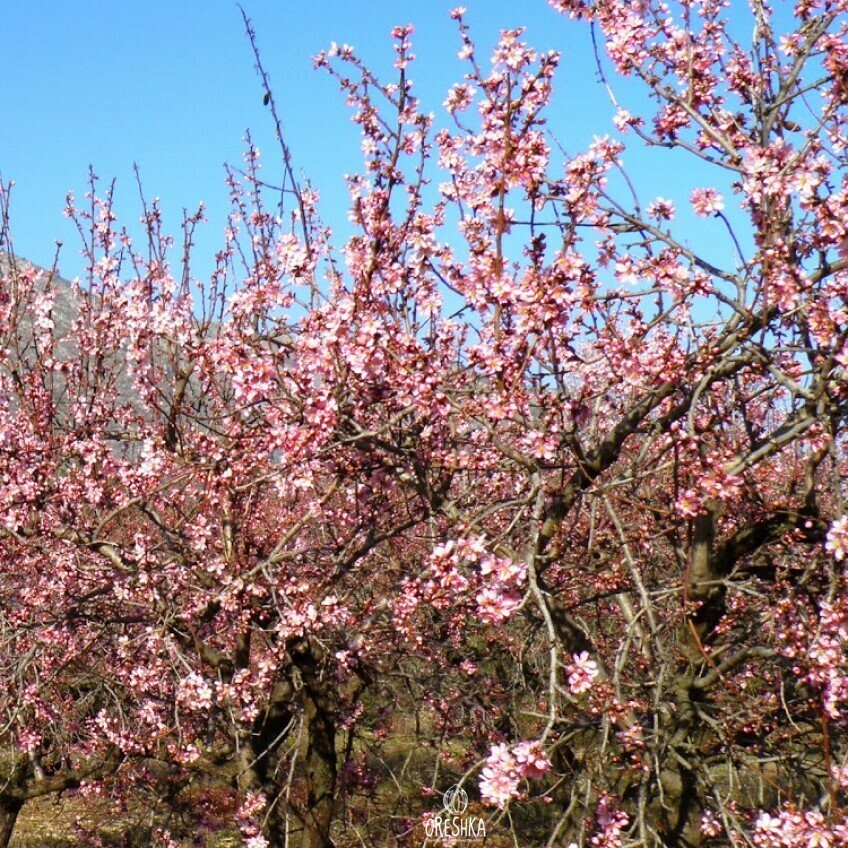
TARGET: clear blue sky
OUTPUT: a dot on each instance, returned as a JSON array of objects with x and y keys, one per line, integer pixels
[{"x": 171, "y": 86}]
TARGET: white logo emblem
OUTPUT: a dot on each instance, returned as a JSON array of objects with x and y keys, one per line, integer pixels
[{"x": 456, "y": 800}]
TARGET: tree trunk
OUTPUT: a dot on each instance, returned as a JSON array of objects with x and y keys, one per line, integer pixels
[
  {"x": 9, "y": 809},
  {"x": 13, "y": 769},
  {"x": 320, "y": 747},
  {"x": 682, "y": 825},
  {"x": 320, "y": 771},
  {"x": 260, "y": 770}
]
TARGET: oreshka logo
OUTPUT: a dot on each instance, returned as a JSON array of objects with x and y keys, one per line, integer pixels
[{"x": 452, "y": 821}]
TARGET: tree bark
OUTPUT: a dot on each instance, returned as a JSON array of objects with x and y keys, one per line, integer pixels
[
  {"x": 682, "y": 827},
  {"x": 320, "y": 776},
  {"x": 13, "y": 767},
  {"x": 9, "y": 809},
  {"x": 320, "y": 754}
]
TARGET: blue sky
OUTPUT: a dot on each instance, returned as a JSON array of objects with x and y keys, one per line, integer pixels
[{"x": 171, "y": 86}]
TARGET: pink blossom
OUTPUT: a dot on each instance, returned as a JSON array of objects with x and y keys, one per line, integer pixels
[
  {"x": 531, "y": 760},
  {"x": 42, "y": 307},
  {"x": 794, "y": 828},
  {"x": 839, "y": 773},
  {"x": 28, "y": 740},
  {"x": 504, "y": 569},
  {"x": 706, "y": 202},
  {"x": 246, "y": 818},
  {"x": 689, "y": 504},
  {"x": 837, "y": 538},
  {"x": 194, "y": 693},
  {"x": 495, "y": 604},
  {"x": 582, "y": 672},
  {"x": 500, "y": 777},
  {"x": 611, "y": 821},
  {"x": 661, "y": 209},
  {"x": 505, "y": 769},
  {"x": 459, "y": 98},
  {"x": 626, "y": 271},
  {"x": 623, "y": 120},
  {"x": 710, "y": 825}
]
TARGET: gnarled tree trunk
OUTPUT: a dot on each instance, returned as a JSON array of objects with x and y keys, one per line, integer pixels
[
  {"x": 13, "y": 768},
  {"x": 320, "y": 753},
  {"x": 9, "y": 809}
]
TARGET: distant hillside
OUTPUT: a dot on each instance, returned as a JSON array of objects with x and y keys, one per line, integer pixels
[{"x": 65, "y": 305}]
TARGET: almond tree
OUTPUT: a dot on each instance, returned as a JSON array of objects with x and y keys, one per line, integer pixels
[{"x": 517, "y": 490}]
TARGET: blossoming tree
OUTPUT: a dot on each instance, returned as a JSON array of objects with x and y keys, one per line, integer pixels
[{"x": 516, "y": 490}]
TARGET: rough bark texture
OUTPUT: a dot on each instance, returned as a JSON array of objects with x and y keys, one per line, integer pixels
[
  {"x": 320, "y": 754},
  {"x": 13, "y": 767},
  {"x": 9, "y": 809}
]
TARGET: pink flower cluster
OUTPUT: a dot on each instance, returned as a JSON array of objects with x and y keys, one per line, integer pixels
[
  {"x": 819, "y": 652},
  {"x": 505, "y": 769},
  {"x": 194, "y": 693},
  {"x": 611, "y": 822},
  {"x": 246, "y": 819},
  {"x": 710, "y": 825},
  {"x": 494, "y": 586},
  {"x": 706, "y": 202},
  {"x": 582, "y": 672},
  {"x": 837, "y": 538},
  {"x": 829, "y": 654},
  {"x": 661, "y": 209},
  {"x": 499, "y": 599},
  {"x": 792, "y": 828},
  {"x": 495, "y": 605}
]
